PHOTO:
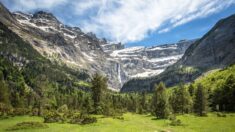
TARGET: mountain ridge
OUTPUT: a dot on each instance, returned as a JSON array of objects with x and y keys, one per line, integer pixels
[{"x": 214, "y": 50}]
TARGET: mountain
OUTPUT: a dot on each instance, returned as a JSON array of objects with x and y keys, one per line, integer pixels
[
  {"x": 65, "y": 45},
  {"x": 139, "y": 62},
  {"x": 215, "y": 50}
]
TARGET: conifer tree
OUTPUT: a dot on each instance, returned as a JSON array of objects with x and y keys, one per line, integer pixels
[
  {"x": 99, "y": 85},
  {"x": 4, "y": 93},
  {"x": 200, "y": 102},
  {"x": 191, "y": 89},
  {"x": 181, "y": 100},
  {"x": 160, "y": 102}
]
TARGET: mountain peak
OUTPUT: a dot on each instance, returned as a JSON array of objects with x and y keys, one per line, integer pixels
[{"x": 44, "y": 15}]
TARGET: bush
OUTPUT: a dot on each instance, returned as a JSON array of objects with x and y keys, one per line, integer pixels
[
  {"x": 63, "y": 109},
  {"x": 27, "y": 125},
  {"x": 20, "y": 111},
  {"x": 52, "y": 117},
  {"x": 83, "y": 119},
  {"x": 5, "y": 109},
  {"x": 176, "y": 122},
  {"x": 172, "y": 117},
  {"x": 221, "y": 114},
  {"x": 88, "y": 120},
  {"x": 34, "y": 112}
]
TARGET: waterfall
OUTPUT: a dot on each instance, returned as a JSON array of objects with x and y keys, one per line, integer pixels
[{"x": 119, "y": 72}]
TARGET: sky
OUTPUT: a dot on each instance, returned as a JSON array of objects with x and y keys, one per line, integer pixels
[{"x": 134, "y": 22}]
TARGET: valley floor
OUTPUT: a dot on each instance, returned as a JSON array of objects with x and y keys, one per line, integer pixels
[{"x": 134, "y": 123}]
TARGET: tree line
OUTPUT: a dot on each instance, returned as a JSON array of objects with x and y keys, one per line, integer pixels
[{"x": 163, "y": 102}]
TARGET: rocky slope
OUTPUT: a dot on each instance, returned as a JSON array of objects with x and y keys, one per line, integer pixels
[
  {"x": 139, "y": 62},
  {"x": 215, "y": 50}
]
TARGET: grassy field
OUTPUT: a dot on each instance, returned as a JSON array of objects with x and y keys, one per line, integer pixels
[{"x": 134, "y": 123}]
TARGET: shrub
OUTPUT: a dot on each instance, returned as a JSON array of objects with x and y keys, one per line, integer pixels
[
  {"x": 88, "y": 120},
  {"x": 27, "y": 125},
  {"x": 221, "y": 114},
  {"x": 20, "y": 111},
  {"x": 63, "y": 109},
  {"x": 176, "y": 122},
  {"x": 52, "y": 117},
  {"x": 5, "y": 109},
  {"x": 34, "y": 112},
  {"x": 172, "y": 117},
  {"x": 83, "y": 119}
]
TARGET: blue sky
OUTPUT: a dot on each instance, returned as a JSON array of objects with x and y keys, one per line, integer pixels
[
  {"x": 192, "y": 30},
  {"x": 134, "y": 22}
]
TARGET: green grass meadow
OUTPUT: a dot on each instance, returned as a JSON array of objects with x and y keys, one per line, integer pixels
[{"x": 133, "y": 123}]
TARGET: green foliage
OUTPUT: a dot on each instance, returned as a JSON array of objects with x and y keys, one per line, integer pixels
[
  {"x": 99, "y": 85},
  {"x": 160, "y": 102},
  {"x": 224, "y": 96},
  {"x": 180, "y": 100},
  {"x": 52, "y": 117},
  {"x": 191, "y": 90},
  {"x": 176, "y": 122},
  {"x": 219, "y": 114},
  {"x": 5, "y": 109},
  {"x": 82, "y": 120},
  {"x": 28, "y": 125},
  {"x": 63, "y": 109},
  {"x": 200, "y": 102},
  {"x": 4, "y": 92}
]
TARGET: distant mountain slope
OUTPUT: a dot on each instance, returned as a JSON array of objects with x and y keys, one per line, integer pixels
[
  {"x": 215, "y": 50},
  {"x": 150, "y": 61}
]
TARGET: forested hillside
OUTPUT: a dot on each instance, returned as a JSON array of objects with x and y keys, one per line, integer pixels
[{"x": 27, "y": 77}]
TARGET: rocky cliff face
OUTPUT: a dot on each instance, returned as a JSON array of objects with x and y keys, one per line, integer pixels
[
  {"x": 140, "y": 62},
  {"x": 215, "y": 50}
]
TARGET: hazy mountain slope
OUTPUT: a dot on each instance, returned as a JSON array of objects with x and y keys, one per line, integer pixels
[{"x": 214, "y": 50}]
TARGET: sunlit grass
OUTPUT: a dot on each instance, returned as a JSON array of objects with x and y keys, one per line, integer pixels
[{"x": 133, "y": 123}]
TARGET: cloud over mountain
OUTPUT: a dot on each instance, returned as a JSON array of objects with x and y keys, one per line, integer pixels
[{"x": 129, "y": 20}]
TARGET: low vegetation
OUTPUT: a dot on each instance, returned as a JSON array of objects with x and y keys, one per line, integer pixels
[{"x": 27, "y": 125}]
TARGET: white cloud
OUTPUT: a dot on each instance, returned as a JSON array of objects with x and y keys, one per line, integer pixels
[
  {"x": 28, "y": 5},
  {"x": 132, "y": 20},
  {"x": 129, "y": 20}
]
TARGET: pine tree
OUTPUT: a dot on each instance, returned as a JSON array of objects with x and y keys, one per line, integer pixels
[
  {"x": 160, "y": 102},
  {"x": 200, "y": 102},
  {"x": 181, "y": 100},
  {"x": 99, "y": 85},
  {"x": 191, "y": 89},
  {"x": 4, "y": 93},
  {"x": 141, "y": 103}
]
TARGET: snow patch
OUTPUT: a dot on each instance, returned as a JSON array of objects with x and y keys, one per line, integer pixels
[{"x": 148, "y": 73}]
